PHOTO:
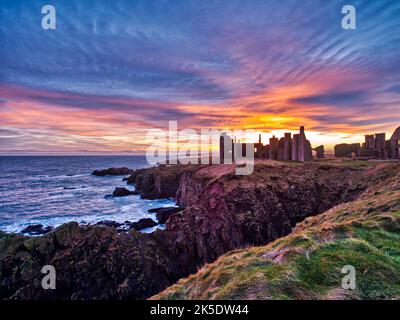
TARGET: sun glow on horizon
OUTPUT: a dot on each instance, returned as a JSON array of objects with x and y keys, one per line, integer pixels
[{"x": 101, "y": 90}]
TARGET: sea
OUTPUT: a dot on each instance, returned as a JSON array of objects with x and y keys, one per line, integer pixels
[{"x": 53, "y": 190}]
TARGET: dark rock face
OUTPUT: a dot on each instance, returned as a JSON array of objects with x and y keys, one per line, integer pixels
[
  {"x": 112, "y": 172},
  {"x": 91, "y": 263},
  {"x": 143, "y": 224},
  {"x": 163, "y": 214},
  {"x": 123, "y": 227},
  {"x": 225, "y": 211},
  {"x": 109, "y": 223},
  {"x": 158, "y": 182},
  {"x": 36, "y": 229},
  {"x": 222, "y": 212},
  {"x": 230, "y": 211},
  {"x": 123, "y": 192}
]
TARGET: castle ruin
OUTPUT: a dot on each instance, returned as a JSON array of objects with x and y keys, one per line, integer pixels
[
  {"x": 286, "y": 148},
  {"x": 375, "y": 146}
]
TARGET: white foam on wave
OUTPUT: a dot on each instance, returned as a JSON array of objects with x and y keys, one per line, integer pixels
[
  {"x": 47, "y": 191},
  {"x": 128, "y": 212}
]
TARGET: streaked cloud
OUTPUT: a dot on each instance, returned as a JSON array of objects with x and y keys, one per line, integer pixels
[{"x": 112, "y": 70}]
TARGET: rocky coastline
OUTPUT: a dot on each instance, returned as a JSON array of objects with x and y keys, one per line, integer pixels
[{"x": 218, "y": 212}]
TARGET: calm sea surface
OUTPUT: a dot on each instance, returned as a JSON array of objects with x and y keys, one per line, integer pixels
[{"x": 59, "y": 189}]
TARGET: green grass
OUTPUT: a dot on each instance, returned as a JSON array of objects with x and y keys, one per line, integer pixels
[{"x": 378, "y": 274}]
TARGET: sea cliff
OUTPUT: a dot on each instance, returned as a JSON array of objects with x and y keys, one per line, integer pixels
[{"x": 223, "y": 212}]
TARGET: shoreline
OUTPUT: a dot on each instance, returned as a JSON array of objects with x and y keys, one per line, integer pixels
[
  {"x": 59, "y": 190},
  {"x": 223, "y": 212}
]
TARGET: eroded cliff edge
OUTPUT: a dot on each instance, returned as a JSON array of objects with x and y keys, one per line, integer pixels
[
  {"x": 363, "y": 234},
  {"x": 223, "y": 212}
]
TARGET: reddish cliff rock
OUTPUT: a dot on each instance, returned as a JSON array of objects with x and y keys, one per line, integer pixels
[
  {"x": 223, "y": 212},
  {"x": 163, "y": 214},
  {"x": 158, "y": 182}
]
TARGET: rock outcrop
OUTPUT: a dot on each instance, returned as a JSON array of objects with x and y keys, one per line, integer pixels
[
  {"x": 222, "y": 212},
  {"x": 158, "y": 182},
  {"x": 91, "y": 262},
  {"x": 123, "y": 192},
  {"x": 163, "y": 214},
  {"x": 307, "y": 263},
  {"x": 124, "y": 227},
  {"x": 36, "y": 229},
  {"x": 225, "y": 211},
  {"x": 143, "y": 224},
  {"x": 113, "y": 172},
  {"x": 109, "y": 223}
]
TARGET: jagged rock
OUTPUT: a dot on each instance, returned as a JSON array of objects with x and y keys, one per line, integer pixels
[
  {"x": 113, "y": 172},
  {"x": 91, "y": 263},
  {"x": 127, "y": 225},
  {"x": 158, "y": 182},
  {"x": 36, "y": 229},
  {"x": 109, "y": 223},
  {"x": 143, "y": 224},
  {"x": 225, "y": 211},
  {"x": 123, "y": 192},
  {"x": 317, "y": 243},
  {"x": 222, "y": 212},
  {"x": 163, "y": 214}
]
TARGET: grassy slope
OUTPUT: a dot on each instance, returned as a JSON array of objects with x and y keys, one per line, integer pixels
[{"x": 307, "y": 264}]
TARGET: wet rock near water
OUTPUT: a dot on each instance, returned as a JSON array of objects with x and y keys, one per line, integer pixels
[
  {"x": 123, "y": 192},
  {"x": 163, "y": 214},
  {"x": 127, "y": 225},
  {"x": 143, "y": 224},
  {"x": 113, "y": 172},
  {"x": 92, "y": 262},
  {"x": 109, "y": 223},
  {"x": 36, "y": 229},
  {"x": 158, "y": 182}
]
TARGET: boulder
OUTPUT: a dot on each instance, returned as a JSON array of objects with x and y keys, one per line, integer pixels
[
  {"x": 113, "y": 172},
  {"x": 36, "y": 229},
  {"x": 92, "y": 263},
  {"x": 158, "y": 182},
  {"x": 127, "y": 225},
  {"x": 109, "y": 223},
  {"x": 143, "y": 224},
  {"x": 163, "y": 214},
  {"x": 123, "y": 192}
]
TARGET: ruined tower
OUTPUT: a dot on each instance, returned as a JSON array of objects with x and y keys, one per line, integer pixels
[
  {"x": 295, "y": 147},
  {"x": 380, "y": 139},
  {"x": 304, "y": 147},
  {"x": 395, "y": 144},
  {"x": 287, "y": 146},
  {"x": 225, "y": 148},
  {"x": 273, "y": 148}
]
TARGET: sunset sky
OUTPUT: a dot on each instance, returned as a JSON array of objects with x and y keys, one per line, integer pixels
[{"x": 114, "y": 69}]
